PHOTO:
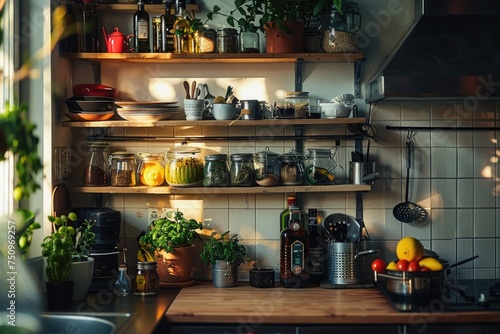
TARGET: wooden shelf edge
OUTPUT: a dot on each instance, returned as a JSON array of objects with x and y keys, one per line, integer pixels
[
  {"x": 162, "y": 190},
  {"x": 263, "y": 122}
]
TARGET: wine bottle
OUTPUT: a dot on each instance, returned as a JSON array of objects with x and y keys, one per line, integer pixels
[
  {"x": 291, "y": 202},
  {"x": 141, "y": 29},
  {"x": 316, "y": 250},
  {"x": 167, "y": 26}
]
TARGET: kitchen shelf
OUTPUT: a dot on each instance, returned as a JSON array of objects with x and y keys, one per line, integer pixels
[
  {"x": 101, "y": 57},
  {"x": 263, "y": 122},
  {"x": 167, "y": 190},
  {"x": 132, "y": 7}
]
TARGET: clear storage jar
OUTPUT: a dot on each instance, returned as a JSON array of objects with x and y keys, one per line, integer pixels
[
  {"x": 291, "y": 168},
  {"x": 249, "y": 41},
  {"x": 300, "y": 101},
  {"x": 184, "y": 166},
  {"x": 267, "y": 168},
  {"x": 216, "y": 171},
  {"x": 339, "y": 30},
  {"x": 122, "y": 171},
  {"x": 227, "y": 40},
  {"x": 242, "y": 171},
  {"x": 95, "y": 171},
  {"x": 150, "y": 169},
  {"x": 319, "y": 166}
]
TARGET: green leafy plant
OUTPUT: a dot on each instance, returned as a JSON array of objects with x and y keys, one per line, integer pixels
[
  {"x": 171, "y": 232},
  {"x": 25, "y": 234},
  {"x": 224, "y": 248},
  {"x": 85, "y": 240}
]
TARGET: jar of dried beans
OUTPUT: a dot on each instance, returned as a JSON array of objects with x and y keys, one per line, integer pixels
[
  {"x": 339, "y": 32},
  {"x": 95, "y": 171},
  {"x": 291, "y": 168},
  {"x": 122, "y": 171}
]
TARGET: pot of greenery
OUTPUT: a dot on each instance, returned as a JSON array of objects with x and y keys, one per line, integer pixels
[
  {"x": 171, "y": 238},
  {"x": 225, "y": 254}
]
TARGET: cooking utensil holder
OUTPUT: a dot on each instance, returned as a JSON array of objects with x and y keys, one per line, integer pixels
[{"x": 346, "y": 262}]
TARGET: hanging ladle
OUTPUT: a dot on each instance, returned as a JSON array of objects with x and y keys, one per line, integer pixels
[{"x": 408, "y": 212}]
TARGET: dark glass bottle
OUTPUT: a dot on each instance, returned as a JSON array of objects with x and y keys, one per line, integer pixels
[
  {"x": 316, "y": 249},
  {"x": 89, "y": 38},
  {"x": 291, "y": 202},
  {"x": 167, "y": 26},
  {"x": 141, "y": 29},
  {"x": 294, "y": 250}
]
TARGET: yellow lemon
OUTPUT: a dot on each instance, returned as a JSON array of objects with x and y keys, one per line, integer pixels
[
  {"x": 410, "y": 249},
  {"x": 219, "y": 99},
  {"x": 152, "y": 174},
  {"x": 391, "y": 266}
]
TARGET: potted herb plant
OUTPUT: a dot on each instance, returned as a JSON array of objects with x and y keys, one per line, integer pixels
[
  {"x": 225, "y": 254},
  {"x": 172, "y": 240}
]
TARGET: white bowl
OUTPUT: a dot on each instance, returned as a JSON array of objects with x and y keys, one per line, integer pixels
[{"x": 337, "y": 110}]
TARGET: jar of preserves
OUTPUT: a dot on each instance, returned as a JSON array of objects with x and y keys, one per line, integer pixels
[
  {"x": 319, "y": 166},
  {"x": 242, "y": 171},
  {"x": 215, "y": 172},
  {"x": 150, "y": 169},
  {"x": 147, "y": 281},
  {"x": 95, "y": 171},
  {"x": 184, "y": 167},
  {"x": 267, "y": 168},
  {"x": 227, "y": 40},
  {"x": 122, "y": 172},
  {"x": 291, "y": 168}
]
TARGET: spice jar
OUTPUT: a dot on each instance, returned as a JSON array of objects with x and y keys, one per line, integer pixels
[
  {"x": 339, "y": 29},
  {"x": 184, "y": 166},
  {"x": 291, "y": 168},
  {"x": 319, "y": 166},
  {"x": 122, "y": 173},
  {"x": 300, "y": 101},
  {"x": 242, "y": 171},
  {"x": 266, "y": 167},
  {"x": 150, "y": 169},
  {"x": 227, "y": 40},
  {"x": 147, "y": 279},
  {"x": 95, "y": 172},
  {"x": 215, "y": 172},
  {"x": 207, "y": 40}
]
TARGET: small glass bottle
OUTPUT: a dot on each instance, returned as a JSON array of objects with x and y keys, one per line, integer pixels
[
  {"x": 122, "y": 172},
  {"x": 123, "y": 285},
  {"x": 157, "y": 34},
  {"x": 242, "y": 171},
  {"x": 181, "y": 31},
  {"x": 227, "y": 40},
  {"x": 249, "y": 41},
  {"x": 215, "y": 171},
  {"x": 151, "y": 169},
  {"x": 95, "y": 171},
  {"x": 319, "y": 166},
  {"x": 141, "y": 29}
]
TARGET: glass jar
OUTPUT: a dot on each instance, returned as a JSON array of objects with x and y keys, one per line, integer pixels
[
  {"x": 249, "y": 41},
  {"x": 184, "y": 166},
  {"x": 227, "y": 40},
  {"x": 216, "y": 172},
  {"x": 147, "y": 281},
  {"x": 242, "y": 171},
  {"x": 267, "y": 168},
  {"x": 339, "y": 30},
  {"x": 95, "y": 171},
  {"x": 207, "y": 40},
  {"x": 150, "y": 169},
  {"x": 300, "y": 101},
  {"x": 319, "y": 166},
  {"x": 291, "y": 168},
  {"x": 122, "y": 172}
]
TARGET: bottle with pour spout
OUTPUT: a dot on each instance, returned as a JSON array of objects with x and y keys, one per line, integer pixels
[
  {"x": 181, "y": 30},
  {"x": 141, "y": 29}
]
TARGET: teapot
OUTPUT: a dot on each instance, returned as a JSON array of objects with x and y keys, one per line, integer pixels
[{"x": 116, "y": 42}]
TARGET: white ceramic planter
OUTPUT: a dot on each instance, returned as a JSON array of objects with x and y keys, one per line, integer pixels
[{"x": 81, "y": 276}]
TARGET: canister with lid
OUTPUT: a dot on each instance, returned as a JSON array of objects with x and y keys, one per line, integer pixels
[
  {"x": 122, "y": 171},
  {"x": 300, "y": 101},
  {"x": 291, "y": 168},
  {"x": 95, "y": 172},
  {"x": 184, "y": 166},
  {"x": 242, "y": 171},
  {"x": 215, "y": 171},
  {"x": 227, "y": 40},
  {"x": 267, "y": 168},
  {"x": 150, "y": 169},
  {"x": 147, "y": 279},
  {"x": 319, "y": 166}
]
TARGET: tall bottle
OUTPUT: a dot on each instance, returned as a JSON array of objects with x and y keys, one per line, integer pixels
[
  {"x": 141, "y": 29},
  {"x": 167, "y": 26},
  {"x": 291, "y": 202},
  {"x": 89, "y": 37},
  {"x": 316, "y": 249},
  {"x": 181, "y": 30},
  {"x": 294, "y": 250}
]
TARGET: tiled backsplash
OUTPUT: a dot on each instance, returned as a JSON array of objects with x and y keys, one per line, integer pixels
[{"x": 453, "y": 175}]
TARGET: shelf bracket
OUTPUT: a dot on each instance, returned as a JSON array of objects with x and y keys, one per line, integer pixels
[
  {"x": 298, "y": 75},
  {"x": 357, "y": 78},
  {"x": 96, "y": 69}
]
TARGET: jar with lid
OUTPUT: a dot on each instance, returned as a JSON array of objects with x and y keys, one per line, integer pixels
[
  {"x": 207, "y": 40},
  {"x": 122, "y": 172},
  {"x": 184, "y": 166},
  {"x": 227, "y": 40},
  {"x": 319, "y": 166},
  {"x": 249, "y": 41},
  {"x": 147, "y": 281},
  {"x": 339, "y": 29},
  {"x": 95, "y": 171},
  {"x": 215, "y": 172},
  {"x": 242, "y": 171},
  {"x": 267, "y": 168},
  {"x": 150, "y": 169},
  {"x": 300, "y": 101},
  {"x": 291, "y": 168}
]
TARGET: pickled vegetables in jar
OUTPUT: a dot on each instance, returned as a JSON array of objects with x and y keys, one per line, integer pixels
[
  {"x": 150, "y": 169},
  {"x": 184, "y": 167}
]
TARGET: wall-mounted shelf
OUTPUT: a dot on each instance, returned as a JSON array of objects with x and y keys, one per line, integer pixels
[{"x": 132, "y": 7}]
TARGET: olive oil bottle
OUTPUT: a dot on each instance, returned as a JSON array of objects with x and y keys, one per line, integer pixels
[{"x": 141, "y": 29}]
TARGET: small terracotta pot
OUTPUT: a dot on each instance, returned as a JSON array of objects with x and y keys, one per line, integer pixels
[{"x": 281, "y": 42}]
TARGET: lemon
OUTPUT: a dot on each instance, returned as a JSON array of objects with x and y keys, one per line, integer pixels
[
  {"x": 410, "y": 249},
  {"x": 152, "y": 174},
  {"x": 391, "y": 266},
  {"x": 219, "y": 99}
]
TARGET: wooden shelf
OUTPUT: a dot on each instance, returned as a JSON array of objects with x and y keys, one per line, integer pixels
[
  {"x": 263, "y": 122},
  {"x": 102, "y": 57},
  {"x": 150, "y": 8},
  {"x": 166, "y": 190}
]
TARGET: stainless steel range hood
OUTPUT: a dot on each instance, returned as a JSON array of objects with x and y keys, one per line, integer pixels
[{"x": 449, "y": 49}]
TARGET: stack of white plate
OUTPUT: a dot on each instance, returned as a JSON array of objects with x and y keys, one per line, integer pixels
[{"x": 146, "y": 111}]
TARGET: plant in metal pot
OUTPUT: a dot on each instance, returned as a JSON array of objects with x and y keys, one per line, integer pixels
[{"x": 171, "y": 239}]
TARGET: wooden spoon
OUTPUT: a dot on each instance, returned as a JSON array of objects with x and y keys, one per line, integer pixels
[
  {"x": 193, "y": 89},
  {"x": 186, "y": 88}
]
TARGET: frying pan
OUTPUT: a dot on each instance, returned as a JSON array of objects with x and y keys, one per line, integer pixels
[{"x": 408, "y": 212}]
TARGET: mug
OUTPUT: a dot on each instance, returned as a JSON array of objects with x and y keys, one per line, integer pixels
[{"x": 194, "y": 109}]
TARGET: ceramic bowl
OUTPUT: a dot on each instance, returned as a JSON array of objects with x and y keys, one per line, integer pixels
[
  {"x": 336, "y": 110},
  {"x": 223, "y": 111}
]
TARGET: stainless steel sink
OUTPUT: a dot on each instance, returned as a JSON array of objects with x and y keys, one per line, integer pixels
[{"x": 84, "y": 322}]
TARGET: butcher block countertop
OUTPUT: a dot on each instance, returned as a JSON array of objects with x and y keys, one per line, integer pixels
[{"x": 202, "y": 303}]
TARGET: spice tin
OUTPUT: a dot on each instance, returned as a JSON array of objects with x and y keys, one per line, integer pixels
[
  {"x": 242, "y": 170},
  {"x": 122, "y": 172},
  {"x": 227, "y": 40},
  {"x": 215, "y": 172},
  {"x": 95, "y": 172},
  {"x": 147, "y": 281}
]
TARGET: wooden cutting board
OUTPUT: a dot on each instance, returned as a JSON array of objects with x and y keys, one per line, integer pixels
[{"x": 61, "y": 200}]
